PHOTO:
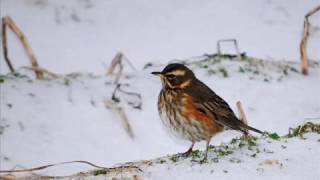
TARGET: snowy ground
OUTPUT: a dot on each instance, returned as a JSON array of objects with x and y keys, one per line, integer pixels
[
  {"x": 63, "y": 120},
  {"x": 51, "y": 121},
  {"x": 84, "y": 35}
]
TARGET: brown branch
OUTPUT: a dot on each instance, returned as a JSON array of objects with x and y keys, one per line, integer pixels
[
  {"x": 304, "y": 41},
  {"x": 7, "y": 21},
  {"x": 242, "y": 115},
  {"x": 124, "y": 119}
]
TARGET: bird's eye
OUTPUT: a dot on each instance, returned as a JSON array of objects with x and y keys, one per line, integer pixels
[{"x": 170, "y": 76}]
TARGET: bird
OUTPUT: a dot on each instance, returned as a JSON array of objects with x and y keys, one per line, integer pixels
[{"x": 191, "y": 110}]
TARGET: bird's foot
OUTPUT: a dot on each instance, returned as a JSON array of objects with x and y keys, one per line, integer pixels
[
  {"x": 204, "y": 160},
  {"x": 186, "y": 154}
]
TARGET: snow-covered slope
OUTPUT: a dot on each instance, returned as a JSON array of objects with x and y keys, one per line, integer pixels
[{"x": 61, "y": 120}]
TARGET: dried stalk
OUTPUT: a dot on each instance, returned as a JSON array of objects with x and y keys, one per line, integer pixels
[
  {"x": 235, "y": 45},
  {"x": 7, "y": 21},
  {"x": 8, "y": 177},
  {"x": 44, "y": 71},
  {"x": 4, "y": 46},
  {"x": 116, "y": 61},
  {"x": 304, "y": 41},
  {"x": 242, "y": 115},
  {"x": 124, "y": 119}
]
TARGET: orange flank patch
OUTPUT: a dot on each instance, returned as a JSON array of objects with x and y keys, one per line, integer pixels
[{"x": 191, "y": 112}]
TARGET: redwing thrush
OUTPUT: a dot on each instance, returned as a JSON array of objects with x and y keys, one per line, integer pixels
[{"x": 191, "y": 110}]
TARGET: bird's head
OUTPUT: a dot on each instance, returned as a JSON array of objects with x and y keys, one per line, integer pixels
[{"x": 176, "y": 76}]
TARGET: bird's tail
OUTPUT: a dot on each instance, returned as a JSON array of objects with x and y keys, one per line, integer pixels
[{"x": 247, "y": 127}]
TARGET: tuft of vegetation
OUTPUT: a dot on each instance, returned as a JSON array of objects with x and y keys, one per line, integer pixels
[
  {"x": 224, "y": 72},
  {"x": 196, "y": 154},
  {"x": 274, "y": 136},
  {"x": 174, "y": 158},
  {"x": 161, "y": 161},
  {"x": 254, "y": 68},
  {"x": 223, "y": 150},
  {"x": 303, "y": 129},
  {"x": 100, "y": 172}
]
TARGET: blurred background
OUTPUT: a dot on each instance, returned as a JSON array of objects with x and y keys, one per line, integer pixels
[{"x": 84, "y": 35}]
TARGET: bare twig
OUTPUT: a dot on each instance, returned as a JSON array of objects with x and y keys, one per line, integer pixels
[
  {"x": 50, "y": 165},
  {"x": 242, "y": 115},
  {"x": 7, "y": 21},
  {"x": 134, "y": 105},
  {"x": 304, "y": 41},
  {"x": 235, "y": 45},
  {"x": 100, "y": 169},
  {"x": 4, "y": 46},
  {"x": 129, "y": 62},
  {"x": 124, "y": 119}
]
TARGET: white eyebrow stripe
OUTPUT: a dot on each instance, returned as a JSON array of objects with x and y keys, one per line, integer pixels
[{"x": 177, "y": 73}]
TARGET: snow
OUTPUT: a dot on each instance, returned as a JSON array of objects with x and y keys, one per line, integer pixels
[
  {"x": 84, "y": 35},
  {"x": 52, "y": 121}
]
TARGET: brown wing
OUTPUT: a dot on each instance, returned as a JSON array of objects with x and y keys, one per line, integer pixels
[{"x": 214, "y": 106}]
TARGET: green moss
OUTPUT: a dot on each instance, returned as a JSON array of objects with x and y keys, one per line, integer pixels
[
  {"x": 303, "y": 129},
  {"x": 174, "y": 158},
  {"x": 100, "y": 172},
  {"x": 195, "y": 154},
  {"x": 224, "y": 72},
  {"x": 274, "y": 136},
  {"x": 241, "y": 69}
]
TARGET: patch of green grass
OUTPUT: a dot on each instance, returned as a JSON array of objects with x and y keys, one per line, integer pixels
[
  {"x": 222, "y": 150},
  {"x": 274, "y": 136},
  {"x": 161, "y": 161},
  {"x": 303, "y": 129},
  {"x": 100, "y": 172},
  {"x": 254, "y": 155},
  {"x": 224, "y": 72},
  {"x": 174, "y": 158},
  {"x": 196, "y": 154},
  {"x": 241, "y": 69}
]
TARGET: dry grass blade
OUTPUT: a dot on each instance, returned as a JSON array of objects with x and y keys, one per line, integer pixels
[
  {"x": 116, "y": 61},
  {"x": 304, "y": 41},
  {"x": 8, "y": 177},
  {"x": 124, "y": 119},
  {"x": 7, "y": 21},
  {"x": 242, "y": 115}
]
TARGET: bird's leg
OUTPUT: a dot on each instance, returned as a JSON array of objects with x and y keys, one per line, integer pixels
[
  {"x": 206, "y": 152},
  {"x": 189, "y": 151}
]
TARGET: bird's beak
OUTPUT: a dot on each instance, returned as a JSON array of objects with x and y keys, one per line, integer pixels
[{"x": 156, "y": 73}]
